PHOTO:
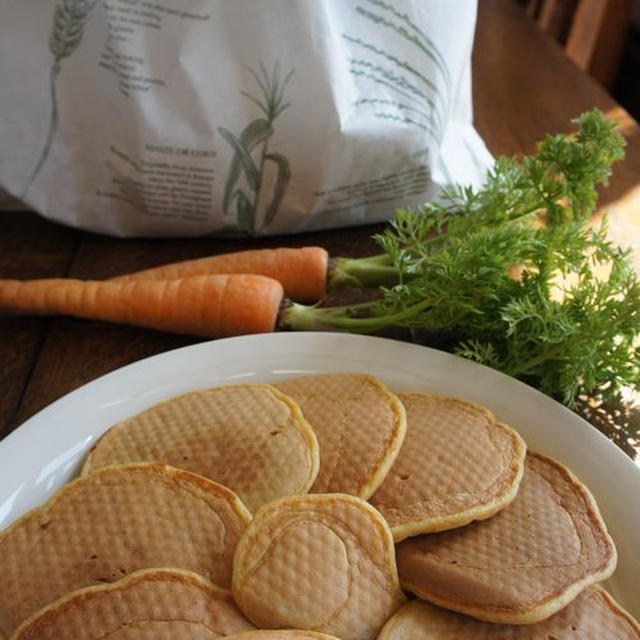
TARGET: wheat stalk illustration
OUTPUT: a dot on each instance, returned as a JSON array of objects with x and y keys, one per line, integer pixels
[
  {"x": 69, "y": 19},
  {"x": 256, "y": 134}
]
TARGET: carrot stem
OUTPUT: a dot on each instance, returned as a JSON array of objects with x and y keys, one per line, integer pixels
[
  {"x": 360, "y": 273},
  {"x": 301, "y": 317}
]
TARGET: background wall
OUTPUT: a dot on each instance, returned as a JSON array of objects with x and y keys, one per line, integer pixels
[
  {"x": 626, "y": 87},
  {"x": 601, "y": 36}
]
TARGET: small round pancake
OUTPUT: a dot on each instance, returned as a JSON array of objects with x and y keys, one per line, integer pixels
[
  {"x": 456, "y": 465},
  {"x": 281, "y": 634},
  {"x": 522, "y": 565},
  {"x": 162, "y": 631},
  {"x": 593, "y": 615},
  {"x": 323, "y": 562},
  {"x": 164, "y": 602},
  {"x": 360, "y": 426},
  {"x": 251, "y": 438},
  {"x": 118, "y": 520}
]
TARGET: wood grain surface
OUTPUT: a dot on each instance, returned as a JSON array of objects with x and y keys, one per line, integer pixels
[{"x": 524, "y": 87}]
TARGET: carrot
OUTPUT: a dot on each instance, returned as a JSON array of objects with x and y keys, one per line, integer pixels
[
  {"x": 208, "y": 306},
  {"x": 302, "y": 272}
]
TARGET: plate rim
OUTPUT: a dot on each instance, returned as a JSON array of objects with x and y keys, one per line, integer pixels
[{"x": 147, "y": 361}]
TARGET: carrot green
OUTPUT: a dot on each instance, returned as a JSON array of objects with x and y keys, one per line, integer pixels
[{"x": 553, "y": 322}]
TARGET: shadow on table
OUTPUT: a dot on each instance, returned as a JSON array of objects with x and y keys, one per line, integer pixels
[{"x": 619, "y": 421}]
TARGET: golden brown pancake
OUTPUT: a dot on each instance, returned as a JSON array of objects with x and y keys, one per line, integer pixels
[
  {"x": 163, "y": 602},
  {"x": 251, "y": 438},
  {"x": 118, "y": 520},
  {"x": 593, "y": 615},
  {"x": 360, "y": 426},
  {"x": 162, "y": 631},
  {"x": 522, "y": 565},
  {"x": 282, "y": 634},
  {"x": 323, "y": 562},
  {"x": 457, "y": 464}
]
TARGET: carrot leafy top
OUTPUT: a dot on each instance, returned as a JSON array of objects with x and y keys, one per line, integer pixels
[{"x": 512, "y": 271}]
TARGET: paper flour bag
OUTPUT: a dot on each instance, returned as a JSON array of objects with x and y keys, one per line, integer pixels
[{"x": 188, "y": 117}]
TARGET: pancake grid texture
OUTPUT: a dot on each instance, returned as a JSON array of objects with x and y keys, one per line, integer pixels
[
  {"x": 111, "y": 523},
  {"x": 318, "y": 562},
  {"x": 360, "y": 427},
  {"x": 456, "y": 465},
  {"x": 281, "y": 634},
  {"x": 593, "y": 615},
  {"x": 153, "y": 603},
  {"x": 522, "y": 565},
  {"x": 162, "y": 631},
  {"x": 251, "y": 438}
]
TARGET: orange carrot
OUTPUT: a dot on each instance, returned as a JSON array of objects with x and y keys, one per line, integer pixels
[
  {"x": 302, "y": 272},
  {"x": 208, "y": 306}
]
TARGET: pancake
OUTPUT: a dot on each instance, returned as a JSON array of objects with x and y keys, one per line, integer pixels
[
  {"x": 251, "y": 438},
  {"x": 457, "y": 464},
  {"x": 162, "y": 631},
  {"x": 320, "y": 562},
  {"x": 282, "y": 634},
  {"x": 163, "y": 602},
  {"x": 118, "y": 520},
  {"x": 593, "y": 615},
  {"x": 522, "y": 565},
  {"x": 360, "y": 426}
]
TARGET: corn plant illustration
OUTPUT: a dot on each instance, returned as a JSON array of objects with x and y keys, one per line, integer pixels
[
  {"x": 251, "y": 154},
  {"x": 69, "y": 19}
]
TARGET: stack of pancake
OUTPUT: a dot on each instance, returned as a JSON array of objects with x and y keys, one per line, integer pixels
[{"x": 322, "y": 507}]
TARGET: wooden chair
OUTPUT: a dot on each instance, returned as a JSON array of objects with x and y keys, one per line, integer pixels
[{"x": 591, "y": 31}]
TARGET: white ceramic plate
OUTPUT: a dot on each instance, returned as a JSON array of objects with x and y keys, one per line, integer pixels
[{"x": 47, "y": 450}]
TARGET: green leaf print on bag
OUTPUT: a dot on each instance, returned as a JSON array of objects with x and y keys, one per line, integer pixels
[
  {"x": 284, "y": 174},
  {"x": 69, "y": 19},
  {"x": 255, "y": 136},
  {"x": 255, "y": 133}
]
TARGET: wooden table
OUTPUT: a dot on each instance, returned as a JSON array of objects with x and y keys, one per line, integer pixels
[{"x": 524, "y": 87}]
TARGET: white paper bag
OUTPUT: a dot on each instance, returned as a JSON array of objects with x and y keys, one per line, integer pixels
[{"x": 187, "y": 117}]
